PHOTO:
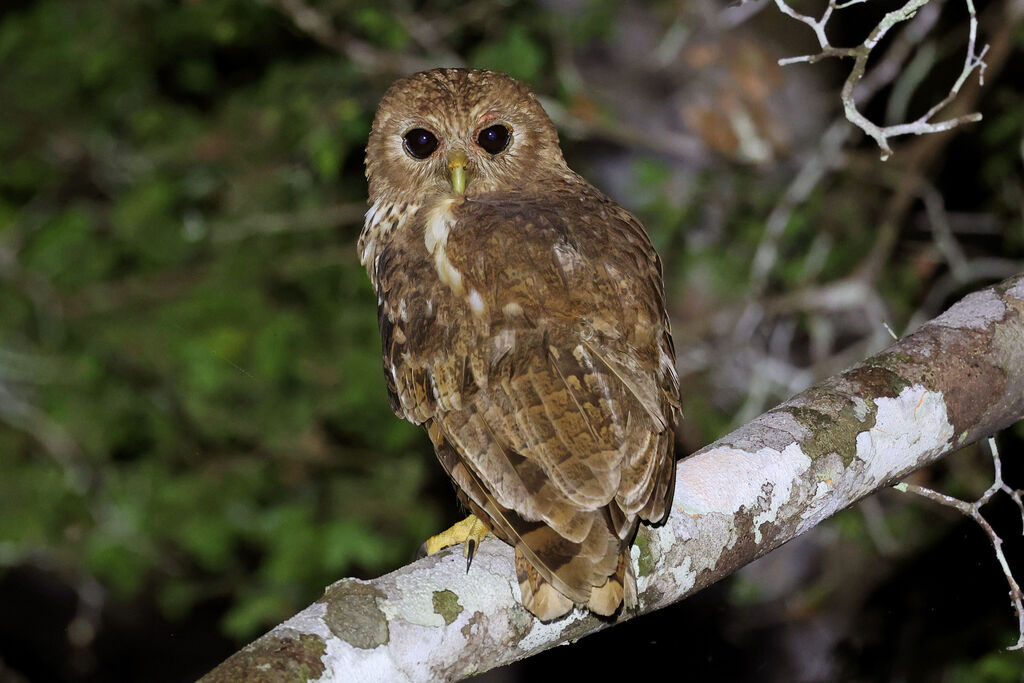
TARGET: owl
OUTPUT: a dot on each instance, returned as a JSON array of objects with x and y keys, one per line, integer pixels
[{"x": 523, "y": 323}]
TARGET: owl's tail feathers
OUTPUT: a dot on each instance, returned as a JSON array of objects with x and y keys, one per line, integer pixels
[
  {"x": 547, "y": 603},
  {"x": 659, "y": 505},
  {"x": 620, "y": 586},
  {"x": 539, "y": 596}
]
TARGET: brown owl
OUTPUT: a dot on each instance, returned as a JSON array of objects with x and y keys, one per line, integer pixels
[{"x": 523, "y": 322}]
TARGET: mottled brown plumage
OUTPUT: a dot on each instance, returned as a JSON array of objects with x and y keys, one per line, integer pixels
[{"x": 523, "y": 324}]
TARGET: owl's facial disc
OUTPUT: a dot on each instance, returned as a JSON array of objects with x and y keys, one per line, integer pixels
[{"x": 458, "y": 171}]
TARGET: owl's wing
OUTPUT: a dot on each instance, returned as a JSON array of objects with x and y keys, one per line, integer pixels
[{"x": 546, "y": 379}]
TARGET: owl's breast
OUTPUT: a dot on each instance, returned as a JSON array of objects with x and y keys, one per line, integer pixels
[
  {"x": 524, "y": 254},
  {"x": 464, "y": 268},
  {"x": 425, "y": 303}
]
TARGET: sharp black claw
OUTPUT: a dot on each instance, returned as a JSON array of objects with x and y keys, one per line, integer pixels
[{"x": 471, "y": 551}]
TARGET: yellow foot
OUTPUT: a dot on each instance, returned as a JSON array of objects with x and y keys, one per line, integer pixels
[{"x": 470, "y": 531}]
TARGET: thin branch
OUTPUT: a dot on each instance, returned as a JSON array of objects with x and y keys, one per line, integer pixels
[
  {"x": 973, "y": 510},
  {"x": 321, "y": 218},
  {"x": 973, "y": 61},
  {"x": 51, "y": 435},
  {"x": 825, "y": 158},
  {"x": 320, "y": 26}
]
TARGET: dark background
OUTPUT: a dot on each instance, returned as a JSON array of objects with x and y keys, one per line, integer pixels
[{"x": 194, "y": 432}]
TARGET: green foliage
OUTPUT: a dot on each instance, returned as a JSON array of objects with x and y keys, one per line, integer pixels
[
  {"x": 744, "y": 592},
  {"x": 380, "y": 27},
  {"x": 221, "y": 383},
  {"x": 514, "y": 53},
  {"x": 995, "y": 667}
]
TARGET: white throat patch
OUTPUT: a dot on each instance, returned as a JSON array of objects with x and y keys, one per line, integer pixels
[{"x": 435, "y": 237}]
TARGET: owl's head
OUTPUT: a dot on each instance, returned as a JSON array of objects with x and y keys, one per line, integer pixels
[{"x": 459, "y": 131}]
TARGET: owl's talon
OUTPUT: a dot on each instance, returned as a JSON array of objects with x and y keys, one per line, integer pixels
[{"x": 470, "y": 531}]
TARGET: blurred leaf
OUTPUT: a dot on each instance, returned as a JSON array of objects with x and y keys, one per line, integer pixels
[
  {"x": 382, "y": 27},
  {"x": 349, "y": 541},
  {"x": 996, "y": 667},
  {"x": 251, "y": 614},
  {"x": 515, "y": 53}
]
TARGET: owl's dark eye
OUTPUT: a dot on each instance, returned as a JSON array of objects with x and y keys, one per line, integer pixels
[
  {"x": 494, "y": 139},
  {"x": 420, "y": 143}
]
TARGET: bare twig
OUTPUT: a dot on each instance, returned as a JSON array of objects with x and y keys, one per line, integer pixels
[
  {"x": 973, "y": 61},
  {"x": 55, "y": 440},
  {"x": 1004, "y": 21},
  {"x": 324, "y": 218},
  {"x": 942, "y": 234},
  {"x": 320, "y": 26},
  {"x": 891, "y": 66},
  {"x": 661, "y": 141},
  {"x": 973, "y": 510},
  {"x": 828, "y": 155},
  {"x": 824, "y": 159}
]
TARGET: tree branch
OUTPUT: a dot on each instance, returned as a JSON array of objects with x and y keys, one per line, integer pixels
[
  {"x": 956, "y": 380},
  {"x": 973, "y": 61},
  {"x": 973, "y": 510}
]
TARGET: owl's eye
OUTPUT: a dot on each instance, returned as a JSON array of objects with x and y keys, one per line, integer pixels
[
  {"x": 494, "y": 139},
  {"x": 420, "y": 143}
]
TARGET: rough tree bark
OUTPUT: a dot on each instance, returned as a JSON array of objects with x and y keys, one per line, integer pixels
[{"x": 956, "y": 380}]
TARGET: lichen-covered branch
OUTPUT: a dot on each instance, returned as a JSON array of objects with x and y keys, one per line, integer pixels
[{"x": 956, "y": 380}]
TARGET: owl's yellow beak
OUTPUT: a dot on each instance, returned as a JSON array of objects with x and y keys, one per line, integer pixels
[{"x": 457, "y": 163}]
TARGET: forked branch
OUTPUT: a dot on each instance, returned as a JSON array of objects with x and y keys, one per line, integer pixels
[
  {"x": 973, "y": 61},
  {"x": 973, "y": 510}
]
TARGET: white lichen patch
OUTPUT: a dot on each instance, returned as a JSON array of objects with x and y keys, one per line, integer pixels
[
  {"x": 678, "y": 552},
  {"x": 340, "y": 658},
  {"x": 1017, "y": 291},
  {"x": 861, "y": 409},
  {"x": 414, "y": 602},
  {"x": 420, "y": 642},
  {"x": 661, "y": 543},
  {"x": 412, "y": 647},
  {"x": 774, "y": 428},
  {"x": 541, "y": 634},
  {"x": 488, "y": 576},
  {"x": 976, "y": 311},
  {"x": 827, "y": 497},
  {"x": 668, "y": 572},
  {"x": 683, "y": 575},
  {"x": 374, "y": 666},
  {"x": 728, "y": 480},
  {"x": 908, "y": 429},
  {"x": 474, "y": 589},
  {"x": 309, "y": 620}
]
